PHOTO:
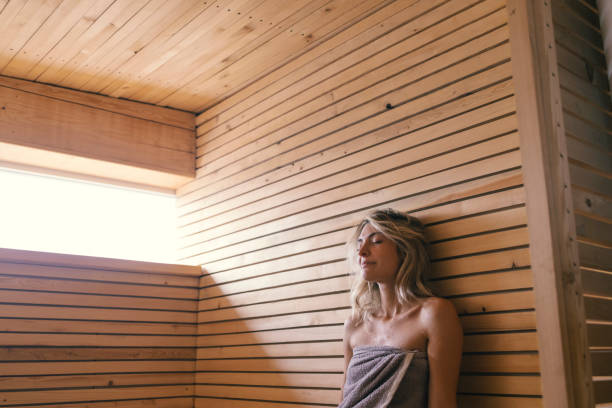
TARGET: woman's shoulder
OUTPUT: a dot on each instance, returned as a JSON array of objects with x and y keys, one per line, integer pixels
[
  {"x": 435, "y": 310},
  {"x": 351, "y": 323}
]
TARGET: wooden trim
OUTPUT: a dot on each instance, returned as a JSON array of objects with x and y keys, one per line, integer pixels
[
  {"x": 166, "y": 116},
  {"x": 60, "y": 130},
  {"x": 41, "y": 161},
  {"x": 564, "y": 358},
  {"x": 108, "y": 264}
]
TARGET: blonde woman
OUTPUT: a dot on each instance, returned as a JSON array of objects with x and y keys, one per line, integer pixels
[{"x": 402, "y": 345}]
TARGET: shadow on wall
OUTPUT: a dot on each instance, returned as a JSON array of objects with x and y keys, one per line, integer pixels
[{"x": 279, "y": 342}]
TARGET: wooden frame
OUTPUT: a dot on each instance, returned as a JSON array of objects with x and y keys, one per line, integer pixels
[
  {"x": 66, "y": 132},
  {"x": 564, "y": 357}
]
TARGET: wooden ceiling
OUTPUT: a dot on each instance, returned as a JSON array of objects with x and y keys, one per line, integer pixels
[{"x": 184, "y": 54}]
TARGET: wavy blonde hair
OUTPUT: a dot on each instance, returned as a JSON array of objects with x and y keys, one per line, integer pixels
[{"x": 407, "y": 232}]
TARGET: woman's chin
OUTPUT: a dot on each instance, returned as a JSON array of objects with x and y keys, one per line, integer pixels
[{"x": 368, "y": 277}]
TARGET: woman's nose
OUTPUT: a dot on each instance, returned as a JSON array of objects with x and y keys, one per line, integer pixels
[{"x": 363, "y": 248}]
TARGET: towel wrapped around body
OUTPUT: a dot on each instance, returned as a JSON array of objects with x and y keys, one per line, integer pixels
[{"x": 386, "y": 377}]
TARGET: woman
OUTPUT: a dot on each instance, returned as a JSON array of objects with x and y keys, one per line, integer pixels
[{"x": 402, "y": 345}]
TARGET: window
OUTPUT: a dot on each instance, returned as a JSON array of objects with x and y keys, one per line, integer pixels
[{"x": 53, "y": 214}]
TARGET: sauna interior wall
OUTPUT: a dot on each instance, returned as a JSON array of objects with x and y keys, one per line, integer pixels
[
  {"x": 585, "y": 96},
  {"x": 95, "y": 332},
  {"x": 411, "y": 107}
]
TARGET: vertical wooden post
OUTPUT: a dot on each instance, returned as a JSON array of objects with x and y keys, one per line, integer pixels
[{"x": 564, "y": 358}]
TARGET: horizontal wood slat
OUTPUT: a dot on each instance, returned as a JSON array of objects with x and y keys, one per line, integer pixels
[
  {"x": 596, "y": 283},
  {"x": 57, "y": 396},
  {"x": 486, "y": 401},
  {"x": 300, "y": 395},
  {"x": 176, "y": 402},
  {"x": 471, "y": 363},
  {"x": 602, "y": 389},
  {"x": 599, "y": 335},
  {"x": 78, "y": 367},
  {"x": 599, "y": 309},
  {"x": 519, "y": 385},
  {"x": 95, "y": 288},
  {"x": 69, "y": 339},
  {"x": 94, "y": 381},
  {"x": 37, "y": 296},
  {"x": 75, "y": 353},
  {"x": 203, "y": 402},
  {"x": 602, "y": 363}
]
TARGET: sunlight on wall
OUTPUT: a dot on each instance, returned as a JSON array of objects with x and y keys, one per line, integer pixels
[{"x": 51, "y": 214}]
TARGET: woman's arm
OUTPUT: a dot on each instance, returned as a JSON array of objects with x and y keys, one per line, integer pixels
[
  {"x": 348, "y": 350},
  {"x": 445, "y": 343}
]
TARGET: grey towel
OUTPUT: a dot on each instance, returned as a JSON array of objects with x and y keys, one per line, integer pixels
[{"x": 384, "y": 376}]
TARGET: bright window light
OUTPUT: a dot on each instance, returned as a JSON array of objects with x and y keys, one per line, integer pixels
[{"x": 52, "y": 214}]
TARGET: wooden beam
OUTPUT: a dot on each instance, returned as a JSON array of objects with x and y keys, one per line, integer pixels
[
  {"x": 18, "y": 256},
  {"x": 564, "y": 357},
  {"x": 46, "y": 128}
]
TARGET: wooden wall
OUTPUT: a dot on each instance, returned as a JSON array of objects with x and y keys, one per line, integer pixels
[
  {"x": 92, "y": 136},
  {"x": 411, "y": 107},
  {"x": 585, "y": 96},
  {"x": 95, "y": 332}
]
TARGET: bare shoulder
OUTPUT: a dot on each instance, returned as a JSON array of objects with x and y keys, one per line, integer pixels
[
  {"x": 349, "y": 322},
  {"x": 438, "y": 311}
]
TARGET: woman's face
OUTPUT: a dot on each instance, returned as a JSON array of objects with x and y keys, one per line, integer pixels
[{"x": 378, "y": 256}]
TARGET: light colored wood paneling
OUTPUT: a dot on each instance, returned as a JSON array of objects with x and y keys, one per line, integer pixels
[
  {"x": 289, "y": 165},
  {"x": 316, "y": 113},
  {"x": 186, "y": 54},
  {"x": 335, "y": 48},
  {"x": 473, "y": 108},
  {"x": 90, "y": 331},
  {"x": 413, "y": 60},
  {"x": 326, "y": 20}
]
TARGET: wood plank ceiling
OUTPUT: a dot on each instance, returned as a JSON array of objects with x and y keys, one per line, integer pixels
[{"x": 184, "y": 54}]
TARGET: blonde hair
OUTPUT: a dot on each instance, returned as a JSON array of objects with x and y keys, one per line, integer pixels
[{"x": 407, "y": 232}]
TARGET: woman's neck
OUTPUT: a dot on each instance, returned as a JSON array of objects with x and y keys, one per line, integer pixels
[
  {"x": 388, "y": 301},
  {"x": 389, "y": 304}
]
